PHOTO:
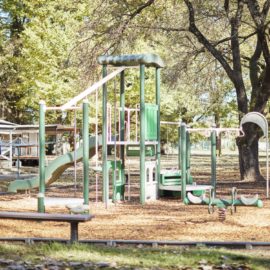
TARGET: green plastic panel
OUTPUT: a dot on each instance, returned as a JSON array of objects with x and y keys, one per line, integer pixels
[
  {"x": 54, "y": 169},
  {"x": 119, "y": 184},
  {"x": 170, "y": 179},
  {"x": 148, "y": 59},
  {"x": 151, "y": 111},
  {"x": 134, "y": 150}
]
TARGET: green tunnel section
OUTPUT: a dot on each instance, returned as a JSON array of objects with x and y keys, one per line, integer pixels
[{"x": 55, "y": 168}]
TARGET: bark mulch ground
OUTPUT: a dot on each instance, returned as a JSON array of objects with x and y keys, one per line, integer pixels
[{"x": 165, "y": 219}]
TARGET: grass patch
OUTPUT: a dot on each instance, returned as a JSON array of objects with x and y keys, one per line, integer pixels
[
  {"x": 166, "y": 258},
  {"x": 146, "y": 258}
]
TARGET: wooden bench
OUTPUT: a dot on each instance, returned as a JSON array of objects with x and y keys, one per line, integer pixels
[{"x": 74, "y": 220}]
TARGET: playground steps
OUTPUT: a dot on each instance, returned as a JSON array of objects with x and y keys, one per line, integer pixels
[{"x": 170, "y": 181}]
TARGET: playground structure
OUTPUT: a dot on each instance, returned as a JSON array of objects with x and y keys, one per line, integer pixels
[
  {"x": 148, "y": 136},
  {"x": 181, "y": 181},
  {"x": 212, "y": 201},
  {"x": 144, "y": 143}
]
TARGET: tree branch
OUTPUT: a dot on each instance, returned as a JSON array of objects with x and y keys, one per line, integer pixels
[
  {"x": 254, "y": 74},
  {"x": 166, "y": 29},
  {"x": 205, "y": 42},
  {"x": 141, "y": 8},
  {"x": 262, "y": 94},
  {"x": 133, "y": 15},
  {"x": 259, "y": 20},
  {"x": 265, "y": 9},
  {"x": 235, "y": 23},
  {"x": 234, "y": 74}
]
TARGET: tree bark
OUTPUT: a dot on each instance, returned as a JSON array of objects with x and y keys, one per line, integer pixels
[{"x": 248, "y": 147}]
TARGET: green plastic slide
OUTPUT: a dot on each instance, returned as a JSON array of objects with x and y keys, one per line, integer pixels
[{"x": 54, "y": 169}]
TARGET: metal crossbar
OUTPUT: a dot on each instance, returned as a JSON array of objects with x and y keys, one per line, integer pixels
[{"x": 91, "y": 89}]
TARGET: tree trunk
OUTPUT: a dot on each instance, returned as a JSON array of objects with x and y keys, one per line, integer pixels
[
  {"x": 248, "y": 147},
  {"x": 217, "y": 122}
]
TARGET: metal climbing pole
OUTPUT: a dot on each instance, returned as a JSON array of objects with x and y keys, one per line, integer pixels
[
  {"x": 183, "y": 161},
  {"x": 122, "y": 116},
  {"x": 86, "y": 152},
  {"x": 41, "y": 194},
  {"x": 179, "y": 147},
  {"x": 104, "y": 140},
  {"x": 142, "y": 135},
  {"x": 122, "y": 131},
  {"x": 188, "y": 153},
  {"x": 213, "y": 160},
  {"x": 158, "y": 120}
]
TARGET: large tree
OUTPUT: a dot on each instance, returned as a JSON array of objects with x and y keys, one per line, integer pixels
[{"x": 242, "y": 50}]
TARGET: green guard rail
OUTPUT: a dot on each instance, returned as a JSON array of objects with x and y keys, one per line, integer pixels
[{"x": 134, "y": 150}]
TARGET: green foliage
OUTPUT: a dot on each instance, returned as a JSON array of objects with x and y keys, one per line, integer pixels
[
  {"x": 53, "y": 56},
  {"x": 38, "y": 58}
]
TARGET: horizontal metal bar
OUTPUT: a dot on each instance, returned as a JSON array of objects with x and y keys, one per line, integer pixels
[
  {"x": 92, "y": 89},
  {"x": 153, "y": 243},
  {"x": 213, "y": 129},
  {"x": 131, "y": 142},
  {"x": 61, "y": 109},
  {"x": 170, "y": 123}
]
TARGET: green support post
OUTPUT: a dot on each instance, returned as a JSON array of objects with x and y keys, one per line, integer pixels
[
  {"x": 158, "y": 121},
  {"x": 122, "y": 133},
  {"x": 86, "y": 152},
  {"x": 122, "y": 116},
  {"x": 41, "y": 194},
  {"x": 188, "y": 157},
  {"x": 142, "y": 135},
  {"x": 213, "y": 160},
  {"x": 179, "y": 147},
  {"x": 104, "y": 140},
  {"x": 183, "y": 161}
]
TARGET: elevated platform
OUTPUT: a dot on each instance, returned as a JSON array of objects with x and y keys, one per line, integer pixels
[
  {"x": 188, "y": 187},
  {"x": 131, "y": 143}
]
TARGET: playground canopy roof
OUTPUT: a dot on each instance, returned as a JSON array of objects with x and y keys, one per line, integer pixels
[{"x": 149, "y": 60}]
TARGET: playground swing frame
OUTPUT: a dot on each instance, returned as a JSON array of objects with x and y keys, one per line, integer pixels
[
  {"x": 213, "y": 132},
  {"x": 184, "y": 150}
]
